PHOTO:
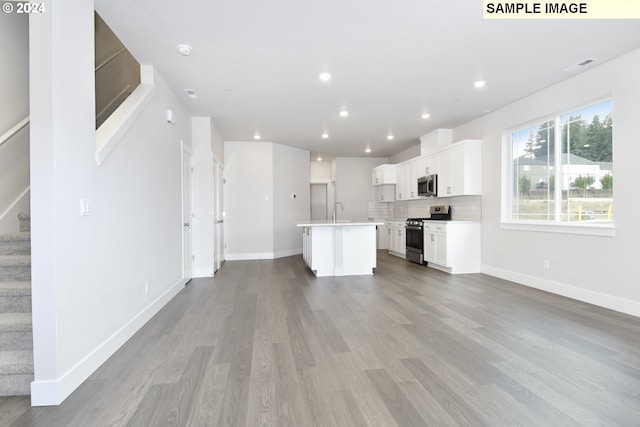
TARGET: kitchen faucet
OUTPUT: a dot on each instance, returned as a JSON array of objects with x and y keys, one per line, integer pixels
[{"x": 335, "y": 211}]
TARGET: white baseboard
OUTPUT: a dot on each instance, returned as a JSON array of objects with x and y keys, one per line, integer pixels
[
  {"x": 288, "y": 252},
  {"x": 247, "y": 256},
  {"x": 261, "y": 255},
  {"x": 54, "y": 392},
  {"x": 596, "y": 298}
]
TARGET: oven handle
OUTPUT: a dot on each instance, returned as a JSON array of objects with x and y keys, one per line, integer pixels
[{"x": 413, "y": 227}]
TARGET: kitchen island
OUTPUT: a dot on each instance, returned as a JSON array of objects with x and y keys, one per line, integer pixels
[{"x": 342, "y": 248}]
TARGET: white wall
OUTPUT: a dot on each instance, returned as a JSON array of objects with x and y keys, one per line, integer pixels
[
  {"x": 89, "y": 273},
  {"x": 260, "y": 212},
  {"x": 203, "y": 204},
  {"x": 320, "y": 172},
  {"x": 290, "y": 177},
  {"x": 353, "y": 185},
  {"x": 248, "y": 200},
  {"x": 409, "y": 153},
  {"x": 600, "y": 270},
  {"x": 14, "y": 106}
]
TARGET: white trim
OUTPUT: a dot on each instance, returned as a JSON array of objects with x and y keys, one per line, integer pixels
[
  {"x": 14, "y": 130},
  {"x": 111, "y": 131},
  {"x": 606, "y": 230},
  {"x": 288, "y": 252},
  {"x": 109, "y": 134},
  {"x": 54, "y": 392},
  {"x": 248, "y": 256},
  {"x": 611, "y": 302}
]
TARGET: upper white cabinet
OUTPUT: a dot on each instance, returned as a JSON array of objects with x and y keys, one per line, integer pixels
[
  {"x": 460, "y": 169},
  {"x": 428, "y": 165},
  {"x": 386, "y": 193},
  {"x": 383, "y": 174},
  {"x": 407, "y": 179}
]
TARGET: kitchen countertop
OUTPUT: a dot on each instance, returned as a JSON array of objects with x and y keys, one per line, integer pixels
[
  {"x": 339, "y": 223},
  {"x": 446, "y": 221}
]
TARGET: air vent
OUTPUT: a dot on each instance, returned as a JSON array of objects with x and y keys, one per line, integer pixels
[
  {"x": 580, "y": 64},
  {"x": 585, "y": 62},
  {"x": 191, "y": 93}
]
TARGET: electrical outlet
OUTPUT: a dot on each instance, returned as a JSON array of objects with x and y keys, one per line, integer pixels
[{"x": 545, "y": 264}]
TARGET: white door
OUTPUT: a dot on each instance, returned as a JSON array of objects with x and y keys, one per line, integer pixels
[
  {"x": 187, "y": 214},
  {"x": 218, "y": 178}
]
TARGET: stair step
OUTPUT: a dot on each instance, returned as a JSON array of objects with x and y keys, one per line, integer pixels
[
  {"x": 16, "y": 331},
  {"x": 15, "y": 243},
  {"x": 24, "y": 221},
  {"x": 15, "y": 322},
  {"x": 16, "y": 372},
  {"x": 15, "y": 268},
  {"x": 15, "y": 297}
]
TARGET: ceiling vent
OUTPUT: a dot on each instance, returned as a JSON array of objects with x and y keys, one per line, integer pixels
[
  {"x": 580, "y": 64},
  {"x": 191, "y": 93}
]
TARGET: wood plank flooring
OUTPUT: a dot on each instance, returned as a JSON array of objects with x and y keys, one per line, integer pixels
[{"x": 265, "y": 343}]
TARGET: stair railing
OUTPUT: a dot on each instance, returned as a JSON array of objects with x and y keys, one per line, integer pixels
[{"x": 14, "y": 130}]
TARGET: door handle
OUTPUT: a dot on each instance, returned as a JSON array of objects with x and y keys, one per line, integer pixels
[{"x": 186, "y": 224}]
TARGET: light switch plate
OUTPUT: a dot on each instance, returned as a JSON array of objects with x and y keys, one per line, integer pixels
[{"x": 85, "y": 207}]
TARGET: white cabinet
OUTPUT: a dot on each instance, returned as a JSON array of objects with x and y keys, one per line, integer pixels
[
  {"x": 402, "y": 171},
  {"x": 386, "y": 193},
  {"x": 383, "y": 174},
  {"x": 428, "y": 165},
  {"x": 396, "y": 238},
  {"x": 452, "y": 246},
  {"x": 460, "y": 169}
]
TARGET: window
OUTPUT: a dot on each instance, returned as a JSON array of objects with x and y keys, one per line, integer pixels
[{"x": 561, "y": 169}]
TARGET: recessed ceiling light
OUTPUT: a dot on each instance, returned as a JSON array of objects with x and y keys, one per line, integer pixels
[
  {"x": 425, "y": 115},
  {"x": 191, "y": 93},
  {"x": 256, "y": 136},
  {"x": 390, "y": 137},
  {"x": 319, "y": 159},
  {"x": 479, "y": 83},
  {"x": 325, "y": 135},
  {"x": 184, "y": 49},
  {"x": 344, "y": 113},
  {"x": 325, "y": 77},
  {"x": 367, "y": 150}
]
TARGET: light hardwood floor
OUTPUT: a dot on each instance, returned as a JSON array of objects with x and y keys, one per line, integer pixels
[{"x": 265, "y": 343}]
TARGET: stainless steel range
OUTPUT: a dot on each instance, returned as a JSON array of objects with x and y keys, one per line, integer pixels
[{"x": 415, "y": 232}]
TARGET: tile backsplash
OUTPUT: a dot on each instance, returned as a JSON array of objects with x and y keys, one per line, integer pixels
[
  {"x": 379, "y": 210},
  {"x": 463, "y": 208}
]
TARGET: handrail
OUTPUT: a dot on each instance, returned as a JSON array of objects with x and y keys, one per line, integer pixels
[
  {"x": 15, "y": 129},
  {"x": 111, "y": 58}
]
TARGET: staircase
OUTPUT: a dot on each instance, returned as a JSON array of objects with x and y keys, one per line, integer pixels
[{"x": 16, "y": 338}]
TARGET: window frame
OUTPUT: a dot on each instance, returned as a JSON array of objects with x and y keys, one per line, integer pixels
[{"x": 555, "y": 225}]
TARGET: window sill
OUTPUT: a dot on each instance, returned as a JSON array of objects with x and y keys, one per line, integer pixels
[{"x": 606, "y": 230}]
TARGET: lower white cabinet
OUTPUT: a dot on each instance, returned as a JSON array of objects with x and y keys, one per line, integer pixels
[
  {"x": 452, "y": 246},
  {"x": 396, "y": 238}
]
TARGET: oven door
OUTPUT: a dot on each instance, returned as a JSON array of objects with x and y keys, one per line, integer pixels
[{"x": 414, "y": 243}]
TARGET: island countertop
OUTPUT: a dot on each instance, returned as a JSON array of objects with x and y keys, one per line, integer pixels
[
  {"x": 343, "y": 248},
  {"x": 339, "y": 223}
]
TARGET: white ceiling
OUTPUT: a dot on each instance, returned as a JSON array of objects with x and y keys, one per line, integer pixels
[{"x": 255, "y": 64}]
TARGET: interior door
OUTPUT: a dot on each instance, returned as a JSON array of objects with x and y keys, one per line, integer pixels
[
  {"x": 187, "y": 214},
  {"x": 218, "y": 177}
]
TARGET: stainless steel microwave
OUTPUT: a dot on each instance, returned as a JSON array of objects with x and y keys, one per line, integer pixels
[{"x": 428, "y": 186}]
